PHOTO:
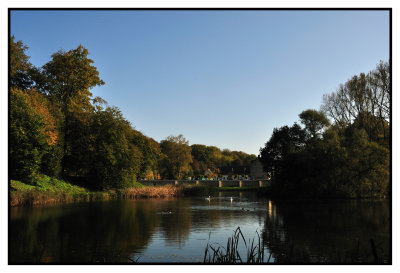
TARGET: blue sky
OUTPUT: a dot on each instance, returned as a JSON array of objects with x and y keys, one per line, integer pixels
[{"x": 222, "y": 78}]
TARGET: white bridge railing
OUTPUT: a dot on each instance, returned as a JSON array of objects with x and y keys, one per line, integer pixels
[{"x": 211, "y": 183}]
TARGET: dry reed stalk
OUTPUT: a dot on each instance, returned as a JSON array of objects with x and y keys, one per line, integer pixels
[
  {"x": 37, "y": 198},
  {"x": 151, "y": 192}
]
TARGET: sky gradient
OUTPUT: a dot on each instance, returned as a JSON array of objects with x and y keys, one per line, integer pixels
[{"x": 222, "y": 78}]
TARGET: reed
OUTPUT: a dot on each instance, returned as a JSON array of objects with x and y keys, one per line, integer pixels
[
  {"x": 215, "y": 253},
  {"x": 151, "y": 192},
  {"x": 41, "y": 198}
]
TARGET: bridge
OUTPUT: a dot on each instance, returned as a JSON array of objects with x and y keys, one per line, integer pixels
[{"x": 210, "y": 183}]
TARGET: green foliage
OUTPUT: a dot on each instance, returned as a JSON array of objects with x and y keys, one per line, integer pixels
[
  {"x": 67, "y": 79},
  {"x": 47, "y": 184},
  {"x": 351, "y": 158},
  {"x": 26, "y": 137},
  {"x": 53, "y": 118},
  {"x": 19, "y": 65},
  {"x": 77, "y": 159},
  {"x": 212, "y": 158},
  {"x": 59, "y": 130},
  {"x": 200, "y": 153},
  {"x": 176, "y": 163},
  {"x": 70, "y": 75},
  {"x": 19, "y": 186},
  {"x": 150, "y": 150},
  {"x": 314, "y": 121},
  {"x": 368, "y": 166},
  {"x": 113, "y": 160}
]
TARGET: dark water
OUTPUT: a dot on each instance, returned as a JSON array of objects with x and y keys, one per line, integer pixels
[{"x": 169, "y": 231}]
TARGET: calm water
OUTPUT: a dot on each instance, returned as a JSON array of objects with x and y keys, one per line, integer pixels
[{"x": 169, "y": 231}]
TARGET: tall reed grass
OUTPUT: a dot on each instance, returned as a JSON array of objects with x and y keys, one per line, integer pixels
[
  {"x": 151, "y": 192},
  {"x": 215, "y": 253},
  {"x": 39, "y": 198}
]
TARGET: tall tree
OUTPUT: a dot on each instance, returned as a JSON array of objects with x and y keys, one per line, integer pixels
[
  {"x": 362, "y": 94},
  {"x": 178, "y": 156},
  {"x": 19, "y": 65},
  {"x": 69, "y": 77}
]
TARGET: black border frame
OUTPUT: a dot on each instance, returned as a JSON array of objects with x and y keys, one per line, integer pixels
[{"x": 199, "y": 9}]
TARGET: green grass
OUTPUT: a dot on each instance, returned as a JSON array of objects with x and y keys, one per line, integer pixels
[
  {"x": 47, "y": 190},
  {"x": 45, "y": 183},
  {"x": 19, "y": 186}
]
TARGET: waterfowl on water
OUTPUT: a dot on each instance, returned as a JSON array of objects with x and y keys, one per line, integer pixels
[{"x": 166, "y": 212}]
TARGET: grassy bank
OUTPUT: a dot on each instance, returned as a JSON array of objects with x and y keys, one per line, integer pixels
[{"x": 48, "y": 190}]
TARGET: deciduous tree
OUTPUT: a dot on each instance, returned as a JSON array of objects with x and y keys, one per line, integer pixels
[
  {"x": 19, "y": 65},
  {"x": 27, "y": 139},
  {"x": 176, "y": 164}
]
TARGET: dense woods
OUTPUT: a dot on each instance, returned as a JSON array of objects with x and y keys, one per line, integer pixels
[
  {"x": 343, "y": 150},
  {"x": 59, "y": 129}
]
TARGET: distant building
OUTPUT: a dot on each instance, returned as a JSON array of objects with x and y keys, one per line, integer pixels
[{"x": 257, "y": 170}]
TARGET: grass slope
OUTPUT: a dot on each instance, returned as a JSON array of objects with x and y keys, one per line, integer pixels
[{"x": 50, "y": 190}]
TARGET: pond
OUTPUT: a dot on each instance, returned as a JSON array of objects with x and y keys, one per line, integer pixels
[{"x": 178, "y": 230}]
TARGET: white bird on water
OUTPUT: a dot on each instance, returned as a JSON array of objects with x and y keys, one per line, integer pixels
[{"x": 231, "y": 199}]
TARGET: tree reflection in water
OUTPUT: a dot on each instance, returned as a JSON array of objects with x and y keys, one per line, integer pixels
[
  {"x": 82, "y": 233},
  {"x": 328, "y": 231},
  {"x": 156, "y": 230}
]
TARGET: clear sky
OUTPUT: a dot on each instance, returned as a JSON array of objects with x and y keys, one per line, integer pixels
[{"x": 222, "y": 78}]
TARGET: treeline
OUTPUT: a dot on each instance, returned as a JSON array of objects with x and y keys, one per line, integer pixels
[
  {"x": 57, "y": 128},
  {"x": 343, "y": 150}
]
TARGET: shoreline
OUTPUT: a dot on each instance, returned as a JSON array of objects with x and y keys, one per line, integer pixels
[
  {"x": 50, "y": 191},
  {"x": 53, "y": 191}
]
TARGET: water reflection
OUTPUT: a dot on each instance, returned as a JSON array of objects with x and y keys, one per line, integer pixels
[
  {"x": 108, "y": 231},
  {"x": 328, "y": 232},
  {"x": 178, "y": 230},
  {"x": 176, "y": 224}
]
